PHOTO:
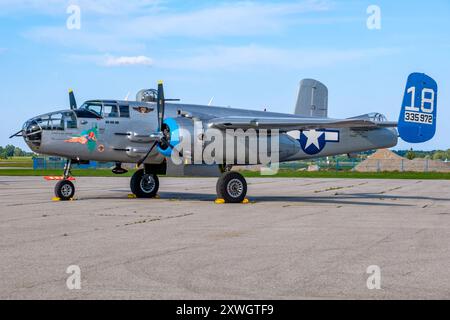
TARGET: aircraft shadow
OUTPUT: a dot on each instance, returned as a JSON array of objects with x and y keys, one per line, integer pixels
[
  {"x": 390, "y": 197},
  {"x": 335, "y": 200},
  {"x": 359, "y": 199}
]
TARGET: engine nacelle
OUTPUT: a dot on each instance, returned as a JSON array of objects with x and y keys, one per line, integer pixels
[{"x": 180, "y": 130}]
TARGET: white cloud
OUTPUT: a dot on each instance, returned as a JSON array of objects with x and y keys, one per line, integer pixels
[
  {"x": 102, "y": 7},
  {"x": 230, "y": 19},
  {"x": 128, "y": 61},
  {"x": 243, "y": 57},
  {"x": 257, "y": 56},
  {"x": 235, "y": 19},
  {"x": 84, "y": 39},
  {"x": 143, "y": 29},
  {"x": 107, "y": 60}
]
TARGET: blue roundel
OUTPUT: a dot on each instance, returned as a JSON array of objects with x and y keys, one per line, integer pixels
[
  {"x": 314, "y": 141},
  {"x": 174, "y": 136}
]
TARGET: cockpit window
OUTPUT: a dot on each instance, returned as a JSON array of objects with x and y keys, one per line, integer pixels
[
  {"x": 56, "y": 121},
  {"x": 124, "y": 111},
  {"x": 70, "y": 120},
  {"x": 110, "y": 111},
  {"x": 377, "y": 117},
  {"x": 94, "y": 107}
]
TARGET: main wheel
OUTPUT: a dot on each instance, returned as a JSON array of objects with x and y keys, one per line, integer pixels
[
  {"x": 144, "y": 185},
  {"x": 65, "y": 190},
  {"x": 232, "y": 187}
]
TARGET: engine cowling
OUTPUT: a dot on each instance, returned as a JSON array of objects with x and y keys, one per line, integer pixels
[{"x": 177, "y": 131}]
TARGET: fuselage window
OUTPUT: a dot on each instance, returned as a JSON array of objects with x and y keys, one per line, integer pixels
[
  {"x": 56, "y": 122},
  {"x": 110, "y": 111},
  {"x": 124, "y": 111},
  {"x": 71, "y": 120},
  {"x": 95, "y": 108}
]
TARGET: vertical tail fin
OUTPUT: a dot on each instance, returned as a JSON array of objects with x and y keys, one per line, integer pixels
[
  {"x": 417, "y": 122},
  {"x": 312, "y": 99}
]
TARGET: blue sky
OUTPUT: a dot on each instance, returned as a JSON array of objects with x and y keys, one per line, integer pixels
[{"x": 249, "y": 54}]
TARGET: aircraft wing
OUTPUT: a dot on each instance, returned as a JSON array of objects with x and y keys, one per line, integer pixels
[{"x": 289, "y": 124}]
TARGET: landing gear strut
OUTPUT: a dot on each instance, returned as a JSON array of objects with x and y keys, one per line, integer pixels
[
  {"x": 65, "y": 189},
  {"x": 231, "y": 187},
  {"x": 144, "y": 185}
]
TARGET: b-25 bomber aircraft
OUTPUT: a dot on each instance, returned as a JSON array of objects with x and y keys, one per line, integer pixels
[{"x": 150, "y": 131}]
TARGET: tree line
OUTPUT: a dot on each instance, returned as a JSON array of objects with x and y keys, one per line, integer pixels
[
  {"x": 433, "y": 155},
  {"x": 13, "y": 151}
]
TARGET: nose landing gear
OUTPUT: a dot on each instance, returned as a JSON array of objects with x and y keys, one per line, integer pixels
[{"x": 65, "y": 189}]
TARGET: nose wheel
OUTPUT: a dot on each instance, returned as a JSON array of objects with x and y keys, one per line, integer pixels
[
  {"x": 231, "y": 187},
  {"x": 144, "y": 185},
  {"x": 65, "y": 190}
]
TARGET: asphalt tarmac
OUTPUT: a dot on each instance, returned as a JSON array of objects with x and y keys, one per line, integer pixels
[{"x": 296, "y": 239}]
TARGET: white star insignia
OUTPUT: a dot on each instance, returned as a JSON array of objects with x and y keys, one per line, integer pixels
[{"x": 312, "y": 138}]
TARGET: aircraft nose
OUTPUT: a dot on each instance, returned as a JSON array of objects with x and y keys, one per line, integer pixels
[{"x": 32, "y": 133}]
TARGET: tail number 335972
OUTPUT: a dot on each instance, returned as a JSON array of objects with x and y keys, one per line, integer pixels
[{"x": 424, "y": 114}]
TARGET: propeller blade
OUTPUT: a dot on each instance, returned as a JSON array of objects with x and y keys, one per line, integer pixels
[
  {"x": 72, "y": 100},
  {"x": 161, "y": 105},
  {"x": 140, "y": 162}
]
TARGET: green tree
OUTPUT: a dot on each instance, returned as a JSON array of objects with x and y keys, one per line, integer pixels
[
  {"x": 19, "y": 152},
  {"x": 410, "y": 155},
  {"x": 9, "y": 150},
  {"x": 439, "y": 155}
]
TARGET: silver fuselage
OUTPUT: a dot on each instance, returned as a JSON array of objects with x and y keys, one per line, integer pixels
[{"x": 128, "y": 138}]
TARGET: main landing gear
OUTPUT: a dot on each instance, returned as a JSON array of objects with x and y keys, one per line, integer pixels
[
  {"x": 65, "y": 189},
  {"x": 231, "y": 186},
  {"x": 144, "y": 185}
]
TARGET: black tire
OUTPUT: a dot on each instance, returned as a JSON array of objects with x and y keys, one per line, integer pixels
[
  {"x": 65, "y": 190},
  {"x": 231, "y": 187},
  {"x": 144, "y": 185}
]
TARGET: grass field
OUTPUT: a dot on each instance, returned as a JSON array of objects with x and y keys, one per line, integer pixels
[
  {"x": 249, "y": 174},
  {"x": 75, "y": 172},
  {"x": 357, "y": 175},
  {"x": 17, "y": 162}
]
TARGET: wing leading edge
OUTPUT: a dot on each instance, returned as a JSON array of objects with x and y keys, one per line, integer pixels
[{"x": 289, "y": 124}]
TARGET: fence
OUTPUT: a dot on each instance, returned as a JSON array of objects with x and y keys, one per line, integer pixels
[
  {"x": 53, "y": 163},
  {"x": 371, "y": 165},
  {"x": 403, "y": 165},
  {"x": 322, "y": 164}
]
